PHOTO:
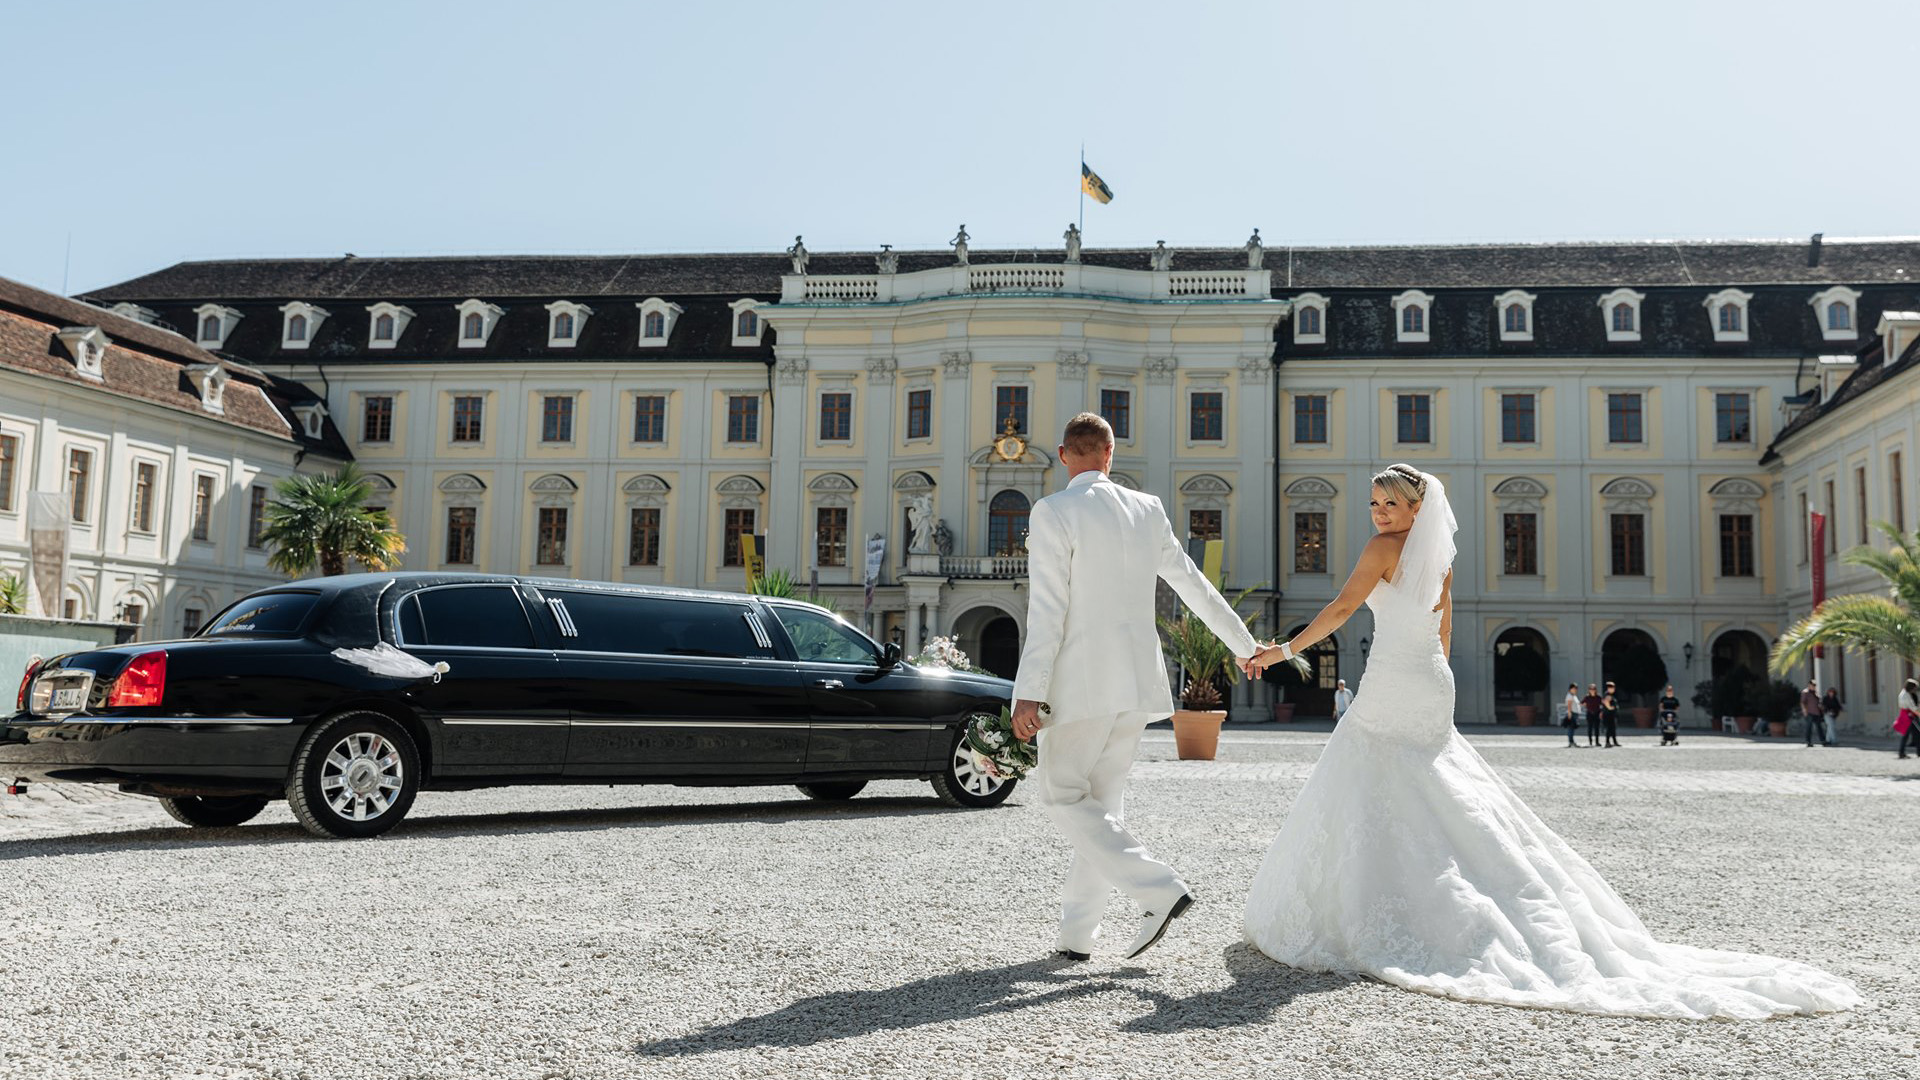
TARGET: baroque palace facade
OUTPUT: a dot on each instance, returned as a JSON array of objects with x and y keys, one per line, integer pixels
[{"x": 1601, "y": 413}]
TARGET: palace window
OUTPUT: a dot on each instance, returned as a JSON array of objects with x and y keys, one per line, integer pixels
[
  {"x": 80, "y": 484},
  {"x": 743, "y": 420},
  {"x": 1736, "y": 545},
  {"x": 383, "y": 327},
  {"x": 462, "y": 524},
  {"x": 836, "y": 416},
  {"x": 467, "y": 412},
  {"x": 1310, "y": 542},
  {"x": 1629, "y": 544},
  {"x": 1010, "y": 401},
  {"x": 146, "y": 480},
  {"x": 643, "y": 536},
  {"x": 1310, "y": 319},
  {"x": 1204, "y": 525},
  {"x": 1860, "y": 504},
  {"x": 1833, "y": 521},
  {"x": 563, "y": 326},
  {"x": 553, "y": 536},
  {"x": 1413, "y": 319},
  {"x": 1412, "y": 309},
  {"x": 9, "y": 465},
  {"x": 1624, "y": 420},
  {"x": 739, "y": 523},
  {"x": 919, "y": 414},
  {"x": 1517, "y": 418},
  {"x": 830, "y": 536},
  {"x": 565, "y": 321},
  {"x": 210, "y": 328},
  {"x": 191, "y": 620},
  {"x": 389, "y": 322},
  {"x": 656, "y": 321},
  {"x": 650, "y": 418},
  {"x": 1310, "y": 418},
  {"x": 1728, "y": 307},
  {"x": 1733, "y": 418},
  {"x": 1621, "y": 308},
  {"x": 474, "y": 328},
  {"x": 556, "y": 418},
  {"x": 477, "y": 320},
  {"x": 300, "y": 321},
  {"x": 203, "y": 507},
  {"x": 747, "y": 325},
  {"x": 655, "y": 325},
  {"x": 1116, "y": 407},
  {"x": 215, "y": 322},
  {"x": 1896, "y": 492},
  {"x": 1515, "y": 307},
  {"x": 1836, "y": 310},
  {"x": 1205, "y": 421},
  {"x": 1804, "y": 528},
  {"x": 1007, "y": 523},
  {"x": 1521, "y": 534},
  {"x": 1309, "y": 324},
  {"x": 257, "y": 517},
  {"x": 376, "y": 423},
  {"x": 1414, "y": 418},
  {"x": 297, "y": 328}
]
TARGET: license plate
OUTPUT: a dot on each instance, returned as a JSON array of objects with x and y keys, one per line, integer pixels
[{"x": 69, "y": 699}]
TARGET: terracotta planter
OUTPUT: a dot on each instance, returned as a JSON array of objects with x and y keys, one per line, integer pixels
[
  {"x": 1777, "y": 728},
  {"x": 1744, "y": 723},
  {"x": 1196, "y": 734},
  {"x": 1642, "y": 716},
  {"x": 1283, "y": 712},
  {"x": 1525, "y": 715}
]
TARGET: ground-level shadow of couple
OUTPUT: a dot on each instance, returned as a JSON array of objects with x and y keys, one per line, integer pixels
[{"x": 1260, "y": 989}]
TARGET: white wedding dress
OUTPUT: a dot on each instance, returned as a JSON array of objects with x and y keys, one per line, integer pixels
[{"x": 1405, "y": 857}]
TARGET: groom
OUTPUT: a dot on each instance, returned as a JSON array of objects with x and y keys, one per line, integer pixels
[{"x": 1094, "y": 551}]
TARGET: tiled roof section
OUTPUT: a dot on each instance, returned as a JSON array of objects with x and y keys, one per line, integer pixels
[
  {"x": 140, "y": 361},
  {"x": 1873, "y": 370},
  {"x": 583, "y": 277}
]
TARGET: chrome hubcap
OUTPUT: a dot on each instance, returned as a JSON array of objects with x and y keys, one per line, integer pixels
[
  {"x": 974, "y": 780},
  {"x": 361, "y": 776}
]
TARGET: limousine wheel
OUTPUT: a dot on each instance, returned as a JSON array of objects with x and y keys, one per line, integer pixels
[
  {"x": 964, "y": 785},
  {"x": 833, "y": 791},
  {"x": 214, "y": 811},
  {"x": 355, "y": 775}
]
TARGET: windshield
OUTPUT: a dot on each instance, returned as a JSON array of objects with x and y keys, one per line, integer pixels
[{"x": 278, "y": 613}]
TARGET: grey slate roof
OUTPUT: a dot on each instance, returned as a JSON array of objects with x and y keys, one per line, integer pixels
[{"x": 1873, "y": 370}]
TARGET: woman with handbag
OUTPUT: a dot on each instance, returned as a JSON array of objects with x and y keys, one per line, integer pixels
[{"x": 1908, "y": 723}]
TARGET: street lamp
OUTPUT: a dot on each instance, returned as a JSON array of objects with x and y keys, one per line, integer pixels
[
  {"x": 1365, "y": 644},
  {"x": 1687, "y": 651}
]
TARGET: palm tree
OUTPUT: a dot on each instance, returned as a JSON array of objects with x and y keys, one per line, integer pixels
[
  {"x": 323, "y": 520},
  {"x": 1888, "y": 623}
]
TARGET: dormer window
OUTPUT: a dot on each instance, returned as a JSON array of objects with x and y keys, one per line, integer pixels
[
  {"x": 300, "y": 321},
  {"x": 1728, "y": 309},
  {"x": 1515, "y": 308},
  {"x": 1621, "y": 310},
  {"x": 1837, "y": 310},
  {"x": 215, "y": 322},
  {"x": 746, "y": 322},
  {"x": 210, "y": 382},
  {"x": 1310, "y": 319},
  {"x": 1411, "y": 310},
  {"x": 389, "y": 322},
  {"x": 127, "y": 310},
  {"x": 657, "y": 317},
  {"x": 88, "y": 347},
  {"x": 312, "y": 415},
  {"x": 565, "y": 320},
  {"x": 477, "y": 320}
]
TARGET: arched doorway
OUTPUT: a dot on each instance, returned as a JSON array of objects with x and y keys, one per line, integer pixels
[
  {"x": 1007, "y": 523},
  {"x": 1311, "y": 697},
  {"x": 1739, "y": 650},
  {"x": 1520, "y": 673},
  {"x": 1000, "y": 647},
  {"x": 1631, "y": 660}
]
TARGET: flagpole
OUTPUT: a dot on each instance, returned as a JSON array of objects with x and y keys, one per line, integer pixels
[{"x": 1082, "y": 226}]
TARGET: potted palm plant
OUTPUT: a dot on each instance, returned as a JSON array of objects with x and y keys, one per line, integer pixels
[
  {"x": 1641, "y": 673},
  {"x": 1524, "y": 670},
  {"x": 1886, "y": 622},
  {"x": 1207, "y": 662},
  {"x": 322, "y": 521},
  {"x": 1774, "y": 702}
]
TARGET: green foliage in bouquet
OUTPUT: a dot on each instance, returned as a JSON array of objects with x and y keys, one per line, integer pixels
[{"x": 996, "y": 750}]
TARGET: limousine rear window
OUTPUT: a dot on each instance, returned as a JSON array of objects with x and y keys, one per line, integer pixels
[
  {"x": 269, "y": 614},
  {"x": 483, "y": 616},
  {"x": 627, "y": 623}
]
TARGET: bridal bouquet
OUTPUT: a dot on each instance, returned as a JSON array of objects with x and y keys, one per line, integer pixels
[{"x": 996, "y": 750}]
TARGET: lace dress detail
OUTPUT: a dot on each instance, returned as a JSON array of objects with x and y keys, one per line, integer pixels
[{"x": 1405, "y": 857}]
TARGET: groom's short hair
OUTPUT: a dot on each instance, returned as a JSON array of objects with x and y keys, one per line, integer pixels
[{"x": 1088, "y": 433}]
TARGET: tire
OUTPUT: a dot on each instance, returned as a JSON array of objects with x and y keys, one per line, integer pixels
[
  {"x": 214, "y": 811},
  {"x": 354, "y": 776},
  {"x": 960, "y": 784},
  {"x": 833, "y": 791}
]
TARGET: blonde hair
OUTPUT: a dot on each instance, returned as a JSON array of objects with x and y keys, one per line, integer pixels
[{"x": 1402, "y": 482}]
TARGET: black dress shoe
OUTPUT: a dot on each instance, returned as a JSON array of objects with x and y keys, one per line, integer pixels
[
  {"x": 1153, "y": 925},
  {"x": 1069, "y": 954}
]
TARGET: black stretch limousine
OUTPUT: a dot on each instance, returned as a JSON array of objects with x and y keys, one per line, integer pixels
[{"x": 349, "y": 695}]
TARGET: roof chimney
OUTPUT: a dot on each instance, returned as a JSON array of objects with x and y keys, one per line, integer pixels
[{"x": 1813, "y": 250}]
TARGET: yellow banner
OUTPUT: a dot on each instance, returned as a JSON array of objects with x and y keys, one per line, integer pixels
[
  {"x": 1214, "y": 559},
  {"x": 756, "y": 566},
  {"x": 1091, "y": 183}
]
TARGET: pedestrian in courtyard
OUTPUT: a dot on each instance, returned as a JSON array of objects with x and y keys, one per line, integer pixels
[
  {"x": 1610, "y": 716},
  {"x": 1342, "y": 697},
  {"x": 1570, "y": 712},
  {"x": 1591, "y": 704},
  {"x": 1669, "y": 717},
  {"x": 1907, "y": 723},
  {"x": 1830, "y": 706},
  {"x": 1811, "y": 709}
]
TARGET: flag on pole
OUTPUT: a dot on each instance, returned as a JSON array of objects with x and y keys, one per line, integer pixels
[{"x": 1091, "y": 184}]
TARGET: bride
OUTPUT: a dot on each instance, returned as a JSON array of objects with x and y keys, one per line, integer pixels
[{"x": 1405, "y": 857}]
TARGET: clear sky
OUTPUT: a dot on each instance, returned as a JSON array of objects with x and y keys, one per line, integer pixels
[{"x": 148, "y": 133}]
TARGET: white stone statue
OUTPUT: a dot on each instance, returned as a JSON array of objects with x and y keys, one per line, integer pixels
[
  {"x": 1073, "y": 242},
  {"x": 1162, "y": 258},
  {"x": 920, "y": 521},
  {"x": 1256, "y": 251},
  {"x": 959, "y": 245},
  {"x": 799, "y": 254},
  {"x": 888, "y": 261},
  {"x": 942, "y": 537}
]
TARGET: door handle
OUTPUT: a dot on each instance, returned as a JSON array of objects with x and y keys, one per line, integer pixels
[{"x": 830, "y": 684}]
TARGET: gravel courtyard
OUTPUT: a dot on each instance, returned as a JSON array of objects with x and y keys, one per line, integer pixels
[{"x": 661, "y": 932}]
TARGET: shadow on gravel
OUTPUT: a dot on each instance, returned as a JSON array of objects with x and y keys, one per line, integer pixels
[
  {"x": 847, "y": 1014},
  {"x": 505, "y": 824},
  {"x": 1261, "y": 988}
]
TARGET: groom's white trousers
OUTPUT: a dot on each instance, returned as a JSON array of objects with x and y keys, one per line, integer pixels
[{"x": 1083, "y": 782}]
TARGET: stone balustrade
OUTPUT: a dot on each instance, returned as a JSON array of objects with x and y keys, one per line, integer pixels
[
  {"x": 984, "y": 566},
  {"x": 1016, "y": 279}
]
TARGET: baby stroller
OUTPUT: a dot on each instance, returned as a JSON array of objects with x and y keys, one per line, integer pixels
[{"x": 1669, "y": 728}]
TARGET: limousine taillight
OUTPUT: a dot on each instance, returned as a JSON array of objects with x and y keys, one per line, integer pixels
[
  {"x": 144, "y": 682},
  {"x": 26, "y": 682}
]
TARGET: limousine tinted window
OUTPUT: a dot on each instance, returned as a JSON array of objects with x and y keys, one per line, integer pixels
[
  {"x": 628, "y": 623},
  {"x": 487, "y": 616},
  {"x": 821, "y": 639},
  {"x": 271, "y": 614}
]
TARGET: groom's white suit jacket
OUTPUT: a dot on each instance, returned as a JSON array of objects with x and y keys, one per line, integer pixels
[{"x": 1094, "y": 551}]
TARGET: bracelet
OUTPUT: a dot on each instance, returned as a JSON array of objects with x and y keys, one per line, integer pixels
[{"x": 1286, "y": 651}]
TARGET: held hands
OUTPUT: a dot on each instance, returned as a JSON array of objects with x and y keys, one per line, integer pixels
[
  {"x": 1026, "y": 720},
  {"x": 1268, "y": 655}
]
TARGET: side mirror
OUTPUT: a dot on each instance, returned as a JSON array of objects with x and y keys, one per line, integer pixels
[{"x": 890, "y": 656}]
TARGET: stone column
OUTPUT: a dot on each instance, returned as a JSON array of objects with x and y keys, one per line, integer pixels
[{"x": 785, "y": 527}]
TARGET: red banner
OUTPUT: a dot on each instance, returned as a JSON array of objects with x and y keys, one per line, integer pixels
[{"x": 1819, "y": 560}]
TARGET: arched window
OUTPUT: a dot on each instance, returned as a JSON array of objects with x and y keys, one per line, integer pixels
[
  {"x": 297, "y": 328},
  {"x": 747, "y": 325},
  {"x": 476, "y": 327},
  {"x": 1310, "y": 320},
  {"x": 656, "y": 325},
  {"x": 1413, "y": 319},
  {"x": 1623, "y": 317},
  {"x": 1839, "y": 316},
  {"x": 210, "y": 328},
  {"x": 1516, "y": 318},
  {"x": 383, "y": 328},
  {"x": 1730, "y": 318},
  {"x": 563, "y": 325},
  {"x": 1007, "y": 523}
]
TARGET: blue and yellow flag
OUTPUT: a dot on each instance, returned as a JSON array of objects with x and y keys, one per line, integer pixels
[{"x": 1091, "y": 183}]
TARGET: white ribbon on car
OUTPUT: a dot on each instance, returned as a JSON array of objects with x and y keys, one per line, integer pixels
[{"x": 384, "y": 659}]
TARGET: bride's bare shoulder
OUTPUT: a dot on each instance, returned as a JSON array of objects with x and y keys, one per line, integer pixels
[{"x": 1383, "y": 552}]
